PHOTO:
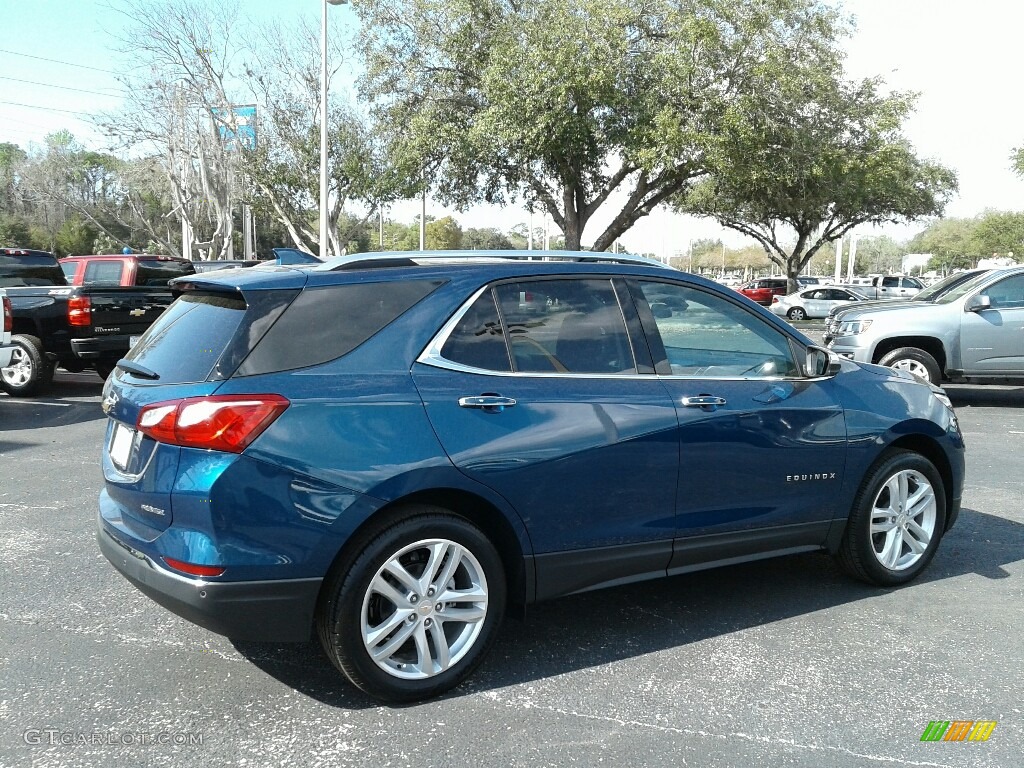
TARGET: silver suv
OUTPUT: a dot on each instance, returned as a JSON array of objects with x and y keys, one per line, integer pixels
[{"x": 974, "y": 331}]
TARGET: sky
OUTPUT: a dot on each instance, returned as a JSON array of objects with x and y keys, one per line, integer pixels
[{"x": 963, "y": 59}]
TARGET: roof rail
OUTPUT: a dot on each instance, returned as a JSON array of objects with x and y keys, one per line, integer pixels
[{"x": 413, "y": 258}]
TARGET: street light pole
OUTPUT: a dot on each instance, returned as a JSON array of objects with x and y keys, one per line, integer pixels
[{"x": 323, "y": 126}]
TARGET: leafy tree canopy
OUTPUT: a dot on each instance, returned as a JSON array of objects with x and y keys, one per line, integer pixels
[
  {"x": 573, "y": 104},
  {"x": 802, "y": 161}
]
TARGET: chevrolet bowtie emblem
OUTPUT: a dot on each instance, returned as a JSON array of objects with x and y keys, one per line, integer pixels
[{"x": 137, "y": 312}]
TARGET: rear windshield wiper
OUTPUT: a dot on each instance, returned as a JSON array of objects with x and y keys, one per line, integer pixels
[{"x": 137, "y": 370}]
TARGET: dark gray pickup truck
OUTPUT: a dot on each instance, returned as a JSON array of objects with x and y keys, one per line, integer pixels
[{"x": 74, "y": 327}]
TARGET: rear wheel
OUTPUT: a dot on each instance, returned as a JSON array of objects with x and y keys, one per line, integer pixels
[
  {"x": 915, "y": 361},
  {"x": 417, "y": 609},
  {"x": 797, "y": 313},
  {"x": 897, "y": 521},
  {"x": 29, "y": 370}
]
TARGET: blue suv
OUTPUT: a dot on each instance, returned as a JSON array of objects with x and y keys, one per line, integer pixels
[{"x": 393, "y": 450}]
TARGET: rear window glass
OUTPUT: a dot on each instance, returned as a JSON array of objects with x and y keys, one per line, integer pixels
[
  {"x": 188, "y": 339},
  {"x": 159, "y": 272},
  {"x": 29, "y": 269},
  {"x": 103, "y": 273},
  {"x": 323, "y": 324}
]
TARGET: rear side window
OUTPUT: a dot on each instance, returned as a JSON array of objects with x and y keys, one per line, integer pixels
[
  {"x": 188, "y": 339},
  {"x": 157, "y": 273},
  {"x": 323, "y": 324},
  {"x": 21, "y": 269}
]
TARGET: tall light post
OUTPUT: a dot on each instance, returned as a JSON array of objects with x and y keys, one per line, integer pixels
[{"x": 323, "y": 125}]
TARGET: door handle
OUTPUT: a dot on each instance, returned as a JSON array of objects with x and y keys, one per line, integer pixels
[
  {"x": 703, "y": 401},
  {"x": 487, "y": 403}
]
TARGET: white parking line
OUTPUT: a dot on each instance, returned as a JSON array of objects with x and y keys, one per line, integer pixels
[{"x": 37, "y": 402}]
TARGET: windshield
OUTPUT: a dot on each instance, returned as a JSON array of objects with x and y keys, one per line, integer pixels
[
  {"x": 934, "y": 291},
  {"x": 963, "y": 289}
]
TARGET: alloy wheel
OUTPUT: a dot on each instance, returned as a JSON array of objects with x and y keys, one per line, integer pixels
[
  {"x": 903, "y": 520},
  {"x": 19, "y": 372},
  {"x": 424, "y": 609}
]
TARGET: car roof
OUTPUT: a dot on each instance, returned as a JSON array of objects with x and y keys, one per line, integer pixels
[
  {"x": 432, "y": 264},
  {"x": 136, "y": 256}
]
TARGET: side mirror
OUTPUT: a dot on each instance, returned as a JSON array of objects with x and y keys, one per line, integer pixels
[
  {"x": 821, "y": 362},
  {"x": 979, "y": 303}
]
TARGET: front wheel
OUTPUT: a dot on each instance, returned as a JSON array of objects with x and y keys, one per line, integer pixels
[
  {"x": 915, "y": 361},
  {"x": 28, "y": 370},
  {"x": 897, "y": 521},
  {"x": 417, "y": 609}
]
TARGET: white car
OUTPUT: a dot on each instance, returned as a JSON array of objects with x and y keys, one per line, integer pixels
[
  {"x": 6, "y": 348},
  {"x": 815, "y": 301}
]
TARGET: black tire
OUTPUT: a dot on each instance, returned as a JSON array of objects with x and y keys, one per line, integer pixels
[
  {"x": 347, "y": 598},
  {"x": 796, "y": 313},
  {"x": 914, "y": 360},
  {"x": 29, "y": 370},
  {"x": 862, "y": 550}
]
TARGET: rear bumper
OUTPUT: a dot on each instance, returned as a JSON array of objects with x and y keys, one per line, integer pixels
[
  {"x": 5, "y": 356},
  {"x": 114, "y": 347},
  {"x": 270, "y": 611}
]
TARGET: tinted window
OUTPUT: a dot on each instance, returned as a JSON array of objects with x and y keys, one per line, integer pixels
[
  {"x": 890, "y": 282},
  {"x": 188, "y": 339},
  {"x": 29, "y": 269},
  {"x": 565, "y": 326},
  {"x": 710, "y": 337},
  {"x": 478, "y": 340},
  {"x": 1006, "y": 294},
  {"x": 151, "y": 272},
  {"x": 325, "y": 323},
  {"x": 103, "y": 273}
]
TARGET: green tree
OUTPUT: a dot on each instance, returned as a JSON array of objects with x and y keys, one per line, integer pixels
[
  {"x": 75, "y": 237},
  {"x": 951, "y": 243},
  {"x": 802, "y": 161},
  {"x": 999, "y": 233},
  {"x": 14, "y": 231},
  {"x": 485, "y": 239},
  {"x": 571, "y": 104},
  {"x": 878, "y": 254},
  {"x": 444, "y": 235}
]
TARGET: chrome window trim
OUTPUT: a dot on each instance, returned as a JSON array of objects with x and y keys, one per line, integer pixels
[{"x": 431, "y": 355}]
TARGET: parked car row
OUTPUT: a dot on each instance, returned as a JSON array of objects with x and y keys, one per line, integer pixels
[
  {"x": 475, "y": 431},
  {"x": 971, "y": 327}
]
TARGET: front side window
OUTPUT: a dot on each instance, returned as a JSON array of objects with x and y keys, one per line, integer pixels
[
  {"x": 1006, "y": 294},
  {"x": 706, "y": 336}
]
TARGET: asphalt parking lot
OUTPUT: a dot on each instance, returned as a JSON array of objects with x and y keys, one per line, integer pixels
[{"x": 779, "y": 663}]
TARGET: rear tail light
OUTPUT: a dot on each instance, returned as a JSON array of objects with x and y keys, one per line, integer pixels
[
  {"x": 8, "y": 317},
  {"x": 79, "y": 310},
  {"x": 219, "y": 422},
  {"x": 775, "y": 299}
]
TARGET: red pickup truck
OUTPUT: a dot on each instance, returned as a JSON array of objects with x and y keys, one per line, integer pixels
[{"x": 142, "y": 269}]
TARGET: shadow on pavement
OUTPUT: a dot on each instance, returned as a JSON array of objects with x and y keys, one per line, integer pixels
[
  {"x": 58, "y": 405},
  {"x": 599, "y": 627},
  {"x": 986, "y": 395}
]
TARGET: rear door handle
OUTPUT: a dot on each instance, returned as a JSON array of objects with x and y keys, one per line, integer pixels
[
  {"x": 488, "y": 403},
  {"x": 703, "y": 401}
]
